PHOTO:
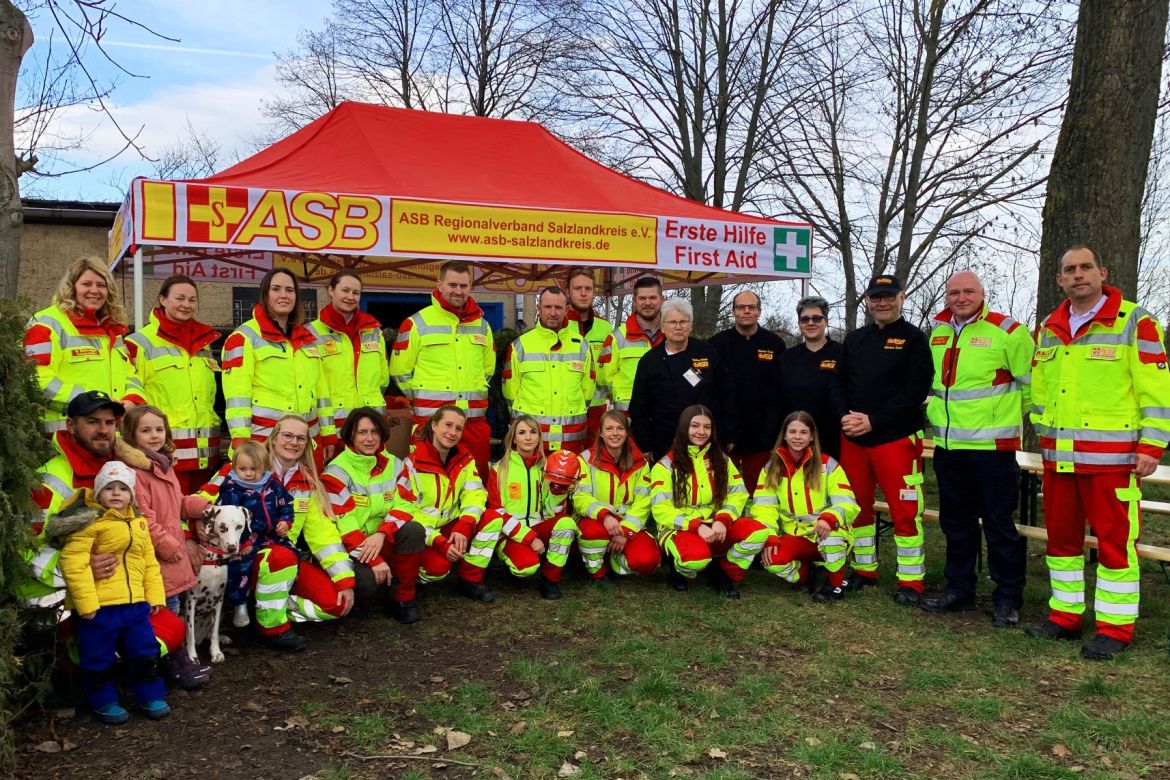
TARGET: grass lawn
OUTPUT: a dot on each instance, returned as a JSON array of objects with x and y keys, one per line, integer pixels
[{"x": 635, "y": 681}]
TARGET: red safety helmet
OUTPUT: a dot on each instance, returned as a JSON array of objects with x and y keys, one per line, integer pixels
[{"x": 561, "y": 467}]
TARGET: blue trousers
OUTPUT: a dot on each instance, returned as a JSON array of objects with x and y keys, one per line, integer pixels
[
  {"x": 119, "y": 629},
  {"x": 974, "y": 485},
  {"x": 239, "y": 581}
]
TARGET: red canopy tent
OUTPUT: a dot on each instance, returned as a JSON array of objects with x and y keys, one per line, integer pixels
[{"x": 391, "y": 192}]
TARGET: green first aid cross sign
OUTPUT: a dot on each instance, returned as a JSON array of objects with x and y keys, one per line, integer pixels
[{"x": 791, "y": 251}]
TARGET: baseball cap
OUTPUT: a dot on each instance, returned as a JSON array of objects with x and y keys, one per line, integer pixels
[
  {"x": 90, "y": 401},
  {"x": 886, "y": 284},
  {"x": 113, "y": 471}
]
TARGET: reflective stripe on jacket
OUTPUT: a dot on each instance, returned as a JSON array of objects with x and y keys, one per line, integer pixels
[
  {"x": 1103, "y": 394},
  {"x": 550, "y": 376},
  {"x": 982, "y": 382},
  {"x": 627, "y": 345},
  {"x": 433, "y": 493},
  {"x": 361, "y": 492},
  {"x": 793, "y": 506},
  {"x": 699, "y": 507},
  {"x": 356, "y": 367},
  {"x": 605, "y": 490}
]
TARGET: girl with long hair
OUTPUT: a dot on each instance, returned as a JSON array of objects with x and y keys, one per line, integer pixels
[
  {"x": 613, "y": 503},
  {"x": 697, "y": 498},
  {"x": 805, "y": 500}
]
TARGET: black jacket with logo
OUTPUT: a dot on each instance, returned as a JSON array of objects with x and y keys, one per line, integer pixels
[
  {"x": 752, "y": 361},
  {"x": 661, "y": 392},
  {"x": 885, "y": 373},
  {"x": 806, "y": 379}
]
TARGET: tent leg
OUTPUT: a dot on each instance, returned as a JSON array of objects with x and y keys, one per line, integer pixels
[
  {"x": 804, "y": 288},
  {"x": 139, "y": 319}
]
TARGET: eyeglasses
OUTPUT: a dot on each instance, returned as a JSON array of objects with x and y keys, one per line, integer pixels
[
  {"x": 812, "y": 319},
  {"x": 745, "y": 307},
  {"x": 293, "y": 438},
  {"x": 676, "y": 323}
]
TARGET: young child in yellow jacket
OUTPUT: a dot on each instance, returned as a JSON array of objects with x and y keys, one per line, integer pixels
[{"x": 114, "y": 612}]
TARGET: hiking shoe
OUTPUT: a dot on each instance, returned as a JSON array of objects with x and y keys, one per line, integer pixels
[
  {"x": 859, "y": 582},
  {"x": 907, "y": 597},
  {"x": 677, "y": 582},
  {"x": 155, "y": 708},
  {"x": 286, "y": 642},
  {"x": 828, "y": 593},
  {"x": 948, "y": 602},
  {"x": 240, "y": 617},
  {"x": 1103, "y": 648},
  {"x": 1005, "y": 617},
  {"x": 112, "y": 714},
  {"x": 476, "y": 591},
  {"x": 405, "y": 612},
  {"x": 1050, "y": 630},
  {"x": 549, "y": 590}
]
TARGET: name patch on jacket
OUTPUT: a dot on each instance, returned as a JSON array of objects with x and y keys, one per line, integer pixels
[
  {"x": 981, "y": 341},
  {"x": 514, "y": 490},
  {"x": 764, "y": 354},
  {"x": 300, "y": 505},
  {"x": 330, "y": 347},
  {"x": 1103, "y": 353},
  {"x": 893, "y": 343},
  {"x": 828, "y": 365},
  {"x": 939, "y": 340},
  {"x": 85, "y": 352},
  {"x": 698, "y": 363},
  {"x": 479, "y": 339}
]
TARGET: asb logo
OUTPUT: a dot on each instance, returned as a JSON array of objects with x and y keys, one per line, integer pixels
[
  {"x": 214, "y": 213},
  {"x": 792, "y": 250}
]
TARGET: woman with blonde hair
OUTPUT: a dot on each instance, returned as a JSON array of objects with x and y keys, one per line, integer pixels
[
  {"x": 77, "y": 343},
  {"x": 805, "y": 500}
]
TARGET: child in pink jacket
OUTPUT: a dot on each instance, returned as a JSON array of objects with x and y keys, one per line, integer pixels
[{"x": 147, "y": 446}]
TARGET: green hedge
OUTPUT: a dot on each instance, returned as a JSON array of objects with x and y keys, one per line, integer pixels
[{"x": 22, "y": 450}]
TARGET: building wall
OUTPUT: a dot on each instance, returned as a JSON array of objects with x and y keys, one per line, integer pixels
[{"x": 47, "y": 250}]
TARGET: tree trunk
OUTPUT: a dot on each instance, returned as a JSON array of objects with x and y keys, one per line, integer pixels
[
  {"x": 15, "y": 38},
  {"x": 705, "y": 301},
  {"x": 1099, "y": 166}
]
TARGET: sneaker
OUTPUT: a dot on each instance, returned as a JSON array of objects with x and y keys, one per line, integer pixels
[
  {"x": 240, "y": 617},
  {"x": 948, "y": 602},
  {"x": 112, "y": 714},
  {"x": 859, "y": 582},
  {"x": 1005, "y": 617},
  {"x": 1050, "y": 630},
  {"x": 180, "y": 670},
  {"x": 549, "y": 590},
  {"x": 828, "y": 593},
  {"x": 155, "y": 708},
  {"x": 476, "y": 591},
  {"x": 405, "y": 612},
  {"x": 1103, "y": 648},
  {"x": 286, "y": 642},
  {"x": 677, "y": 582},
  {"x": 907, "y": 597},
  {"x": 722, "y": 583}
]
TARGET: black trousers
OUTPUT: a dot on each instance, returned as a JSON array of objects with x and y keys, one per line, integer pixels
[{"x": 974, "y": 485}]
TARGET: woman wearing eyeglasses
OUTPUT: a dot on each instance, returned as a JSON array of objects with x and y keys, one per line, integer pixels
[{"x": 806, "y": 372}]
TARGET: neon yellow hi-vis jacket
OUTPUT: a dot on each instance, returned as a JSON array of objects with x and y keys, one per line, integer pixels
[
  {"x": 550, "y": 376},
  {"x": 982, "y": 382},
  {"x": 699, "y": 507},
  {"x": 74, "y": 353},
  {"x": 626, "y": 346},
  {"x": 441, "y": 357},
  {"x": 793, "y": 507},
  {"x": 605, "y": 489},
  {"x": 1102, "y": 395},
  {"x": 598, "y": 336},
  {"x": 434, "y": 494},
  {"x": 354, "y": 357},
  {"x": 267, "y": 375}
]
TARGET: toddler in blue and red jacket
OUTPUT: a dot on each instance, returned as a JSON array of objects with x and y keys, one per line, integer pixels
[{"x": 251, "y": 485}]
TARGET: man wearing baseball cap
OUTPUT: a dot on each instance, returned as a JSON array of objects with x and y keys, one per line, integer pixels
[
  {"x": 87, "y": 444},
  {"x": 878, "y": 390}
]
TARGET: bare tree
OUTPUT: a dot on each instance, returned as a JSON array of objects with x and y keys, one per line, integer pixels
[
  {"x": 64, "y": 77},
  {"x": 920, "y": 145},
  {"x": 676, "y": 92},
  {"x": 482, "y": 57},
  {"x": 195, "y": 155}
]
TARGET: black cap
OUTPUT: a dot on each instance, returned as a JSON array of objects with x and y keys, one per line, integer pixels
[
  {"x": 90, "y": 401},
  {"x": 886, "y": 284}
]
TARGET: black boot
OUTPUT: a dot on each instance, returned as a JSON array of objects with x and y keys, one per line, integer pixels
[
  {"x": 287, "y": 642},
  {"x": 549, "y": 590},
  {"x": 405, "y": 612},
  {"x": 476, "y": 591},
  {"x": 677, "y": 582},
  {"x": 722, "y": 583}
]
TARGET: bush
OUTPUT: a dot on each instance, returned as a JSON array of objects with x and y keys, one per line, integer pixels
[{"x": 22, "y": 450}]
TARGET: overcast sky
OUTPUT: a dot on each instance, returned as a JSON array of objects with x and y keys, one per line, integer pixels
[{"x": 215, "y": 76}]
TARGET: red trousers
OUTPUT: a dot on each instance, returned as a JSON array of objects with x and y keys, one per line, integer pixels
[
  {"x": 750, "y": 464},
  {"x": 641, "y": 552},
  {"x": 311, "y": 584},
  {"x": 435, "y": 564},
  {"x": 896, "y": 467},
  {"x": 788, "y": 548},
  {"x": 1100, "y": 501},
  {"x": 477, "y": 439},
  {"x": 691, "y": 554}
]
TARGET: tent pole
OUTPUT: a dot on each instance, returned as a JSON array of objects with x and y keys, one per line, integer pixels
[
  {"x": 804, "y": 288},
  {"x": 139, "y": 320}
]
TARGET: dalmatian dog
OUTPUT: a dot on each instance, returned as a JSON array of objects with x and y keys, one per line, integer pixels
[{"x": 221, "y": 529}]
